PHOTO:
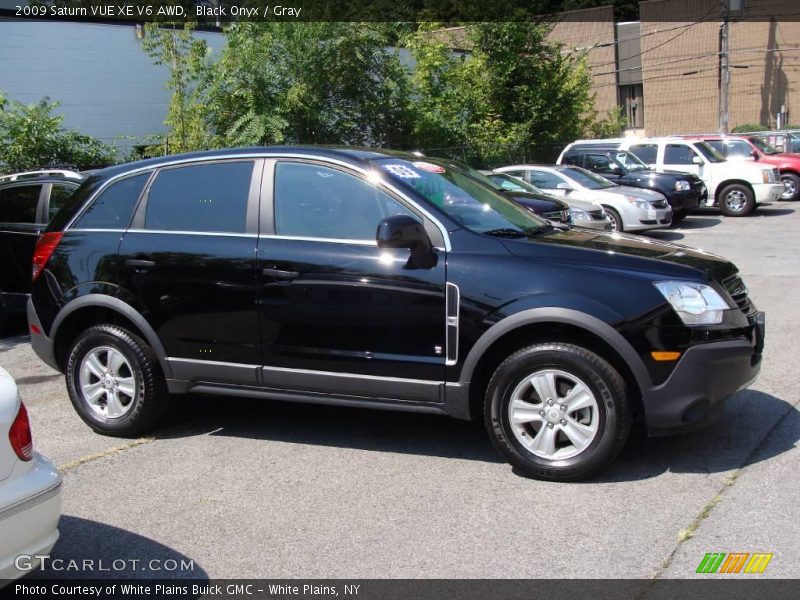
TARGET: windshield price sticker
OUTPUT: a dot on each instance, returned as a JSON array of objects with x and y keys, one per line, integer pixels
[{"x": 402, "y": 171}]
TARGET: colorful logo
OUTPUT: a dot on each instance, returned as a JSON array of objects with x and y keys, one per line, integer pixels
[{"x": 734, "y": 562}]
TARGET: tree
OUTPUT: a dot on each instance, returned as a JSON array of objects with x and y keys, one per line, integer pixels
[{"x": 32, "y": 137}]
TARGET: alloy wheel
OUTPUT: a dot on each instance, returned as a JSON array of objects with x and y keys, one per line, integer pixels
[{"x": 107, "y": 382}]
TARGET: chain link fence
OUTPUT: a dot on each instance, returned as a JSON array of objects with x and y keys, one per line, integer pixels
[{"x": 497, "y": 155}]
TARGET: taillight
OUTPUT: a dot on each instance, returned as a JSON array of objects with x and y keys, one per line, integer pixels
[
  {"x": 20, "y": 434},
  {"x": 44, "y": 249}
]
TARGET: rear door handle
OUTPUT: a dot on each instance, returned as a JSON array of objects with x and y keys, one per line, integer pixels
[
  {"x": 141, "y": 264},
  {"x": 280, "y": 274}
]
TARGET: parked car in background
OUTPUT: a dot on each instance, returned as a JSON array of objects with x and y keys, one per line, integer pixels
[
  {"x": 630, "y": 209},
  {"x": 27, "y": 203},
  {"x": 683, "y": 191},
  {"x": 30, "y": 489},
  {"x": 448, "y": 298},
  {"x": 583, "y": 213},
  {"x": 736, "y": 187},
  {"x": 737, "y": 147},
  {"x": 785, "y": 140}
]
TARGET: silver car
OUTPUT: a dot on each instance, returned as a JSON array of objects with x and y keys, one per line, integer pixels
[{"x": 630, "y": 208}]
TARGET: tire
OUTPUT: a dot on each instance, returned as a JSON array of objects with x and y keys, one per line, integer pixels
[
  {"x": 616, "y": 220},
  {"x": 3, "y": 319},
  {"x": 791, "y": 183},
  {"x": 609, "y": 416},
  {"x": 679, "y": 215},
  {"x": 140, "y": 395},
  {"x": 736, "y": 200}
]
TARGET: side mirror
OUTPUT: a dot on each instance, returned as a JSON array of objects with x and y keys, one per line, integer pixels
[
  {"x": 755, "y": 154},
  {"x": 563, "y": 186},
  {"x": 697, "y": 160},
  {"x": 403, "y": 231}
]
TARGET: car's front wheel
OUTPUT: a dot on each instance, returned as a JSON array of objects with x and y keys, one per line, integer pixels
[
  {"x": 115, "y": 382},
  {"x": 736, "y": 200},
  {"x": 557, "y": 411},
  {"x": 616, "y": 219}
]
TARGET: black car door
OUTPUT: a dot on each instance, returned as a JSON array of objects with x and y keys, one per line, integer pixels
[
  {"x": 19, "y": 212},
  {"x": 338, "y": 314},
  {"x": 188, "y": 259}
]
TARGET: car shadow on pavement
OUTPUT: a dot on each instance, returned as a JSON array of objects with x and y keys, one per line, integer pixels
[
  {"x": 93, "y": 550},
  {"x": 665, "y": 236},
  {"x": 734, "y": 440},
  {"x": 727, "y": 444},
  {"x": 694, "y": 221},
  {"x": 764, "y": 211}
]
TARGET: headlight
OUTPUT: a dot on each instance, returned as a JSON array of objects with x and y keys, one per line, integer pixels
[
  {"x": 695, "y": 303},
  {"x": 579, "y": 215},
  {"x": 638, "y": 202},
  {"x": 682, "y": 186},
  {"x": 766, "y": 175}
]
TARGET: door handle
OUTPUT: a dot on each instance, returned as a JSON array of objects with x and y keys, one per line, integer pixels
[
  {"x": 141, "y": 264},
  {"x": 280, "y": 274}
]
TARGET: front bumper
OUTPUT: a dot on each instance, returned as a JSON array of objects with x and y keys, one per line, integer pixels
[
  {"x": 604, "y": 225},
  {"x": 768, "y": 192},
  {"x": 686, "y": 199},
  {"x": 650, "y": 218},
  {"x": 706, "y": 376}
]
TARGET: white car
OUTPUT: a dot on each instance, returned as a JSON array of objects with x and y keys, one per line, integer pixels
[
  {"x": 30, "y": 489},
  {"x": 735, "y": 186},
  {"x": 630, "y": 209}
]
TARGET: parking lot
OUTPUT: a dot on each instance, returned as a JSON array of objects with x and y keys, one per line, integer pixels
[{"x": 245, "y": 488}]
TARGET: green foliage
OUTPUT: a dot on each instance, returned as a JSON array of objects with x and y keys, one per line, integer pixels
[
  {"x": 32, "y": 137},
  {"x": 611, "y": 126},
  {"x": 186, "y": 59},
  {"x": 747, "y": 127}
]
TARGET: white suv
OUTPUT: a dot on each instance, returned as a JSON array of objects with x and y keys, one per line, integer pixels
[{"x": 736, "y": 187}]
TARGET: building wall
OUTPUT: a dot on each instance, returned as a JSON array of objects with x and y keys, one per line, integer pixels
[
  {"x": 592, "y": 29},
  {"x": 680, "y": 64},
  {"x": 107, "y": 85}
]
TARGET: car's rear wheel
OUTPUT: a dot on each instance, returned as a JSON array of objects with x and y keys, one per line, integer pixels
[
  {"x": 557, "y": 411},
  {"x": 791, "y": 186},
  {"x": 736, "y": 200},
  {"x": 616, "y": 220},
  {"x": 115, "y": 382}
]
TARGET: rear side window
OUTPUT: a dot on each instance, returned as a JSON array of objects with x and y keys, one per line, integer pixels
[
  {"x": 678, "y": 154},
  {"x": 204, "y": 198},
  {"x": 18, "y": 203},
  {"x": 647, "y": 153},
  {"x": 113, "y": 207},
  {"x": 59, "y": 194}
]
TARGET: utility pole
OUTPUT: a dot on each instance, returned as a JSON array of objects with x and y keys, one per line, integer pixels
[{"x": 724, "y": 67}]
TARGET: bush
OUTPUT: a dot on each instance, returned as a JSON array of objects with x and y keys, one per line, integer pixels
[
  {"x": 747, "y": 127},
  {"x": 32, "y": 137}
]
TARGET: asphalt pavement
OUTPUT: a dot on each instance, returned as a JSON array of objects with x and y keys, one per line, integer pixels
[{"x": 245, "y": 488}]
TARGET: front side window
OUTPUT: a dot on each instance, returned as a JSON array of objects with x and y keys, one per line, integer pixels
[
  {"x": 545, "y": 179},
  {"x": 113, "y": 207},
  {"x": 630, "y": 161},
  {"x": 763, "y": 146},
  {"x": 600, "y": 163},
  {"x": 59, "y": 194},
  {"x": 18, "y": 203},
  {"x": 321, "y": 202},
  {"x": 464, "y": 198},
  {"x": 709, "y": 152},
  {"x": 679, "y": 154},
  {"x": 203, "y": 198}
]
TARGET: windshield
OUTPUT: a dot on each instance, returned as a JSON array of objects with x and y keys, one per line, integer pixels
[
  {"x": 712, "y": 155},
  {"x": 763, "y": 146},
  {"x": 463, "y": 194},
  {"x": 630, "y": 161},
  {"x": 512, "y": 184},
  {"x": 587, "y": 179}
]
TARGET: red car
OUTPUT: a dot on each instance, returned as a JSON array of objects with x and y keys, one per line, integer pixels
[{"x": 751, "y": 147}]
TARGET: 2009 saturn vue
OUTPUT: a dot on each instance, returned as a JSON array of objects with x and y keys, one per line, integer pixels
[{"x": 381, "y": 279}]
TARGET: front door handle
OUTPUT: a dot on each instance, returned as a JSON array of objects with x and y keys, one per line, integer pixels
[
  {"x": 280, "y": 274},
  {"x": 141, "y": 264}
]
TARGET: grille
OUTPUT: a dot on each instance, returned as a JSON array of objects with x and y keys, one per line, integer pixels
[
  {"x": 776, "y": 175},
  {"x": 562, "y": 216},
  {"x": 660, "y": 204},
  {"x": 738, "y": 291}
]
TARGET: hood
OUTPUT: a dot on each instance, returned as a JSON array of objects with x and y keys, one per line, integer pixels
[
  {"x": 624, "y": 252},
  {"x": 587, "y": 205},
  {"x": 641, "y": 193},
  {"x": 673, "y": 175},
  {"x": 537, "y": 202}
]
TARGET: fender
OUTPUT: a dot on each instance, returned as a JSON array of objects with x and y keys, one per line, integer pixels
[
  {"x": 557, "y": 315},
  {"x": 127, "y": 311}
]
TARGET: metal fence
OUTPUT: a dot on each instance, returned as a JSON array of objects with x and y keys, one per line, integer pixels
[{"x": 496, "y": 155}]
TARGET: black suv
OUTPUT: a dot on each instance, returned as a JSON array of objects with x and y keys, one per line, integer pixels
[
  {"x": 379, "y": 279},
  {"x": 27, "y": 203},
  {"x": 683, "y": 191}
]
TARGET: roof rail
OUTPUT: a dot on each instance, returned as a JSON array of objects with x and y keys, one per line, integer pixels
[{"x": 67, "y": 174}]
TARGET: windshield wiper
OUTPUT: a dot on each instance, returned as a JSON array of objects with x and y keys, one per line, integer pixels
[{"x": 505, "y": 232}]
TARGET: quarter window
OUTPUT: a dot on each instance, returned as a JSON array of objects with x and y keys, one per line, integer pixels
[
  {"x": 114, "y": 206},
  {"x": 205, "y": 198},
  {"x": 18, "y": 203},
  {"x": 59, "y": 194},
  {"x": 321, "y": 202},
  {"x": 678, "y": 154}
]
